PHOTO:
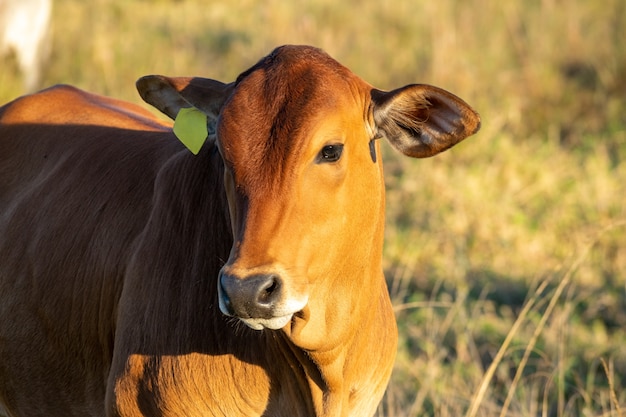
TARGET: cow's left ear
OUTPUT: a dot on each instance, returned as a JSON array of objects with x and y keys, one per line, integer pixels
[
  {"x": 422, "y": 120},
  {"x": 169, "y": 95}
]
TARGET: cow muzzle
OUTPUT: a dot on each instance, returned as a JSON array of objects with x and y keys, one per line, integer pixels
[{"x": 259, "y": 300}]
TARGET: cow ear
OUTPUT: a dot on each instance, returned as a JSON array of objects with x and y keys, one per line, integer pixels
[
  {"x": 169, "y": 95},
  {"x": 422, "y": 120},
  {"x": 194, "y": 104}
]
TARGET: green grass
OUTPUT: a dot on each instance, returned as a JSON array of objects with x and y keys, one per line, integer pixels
[{"x": 505, "y": 256}]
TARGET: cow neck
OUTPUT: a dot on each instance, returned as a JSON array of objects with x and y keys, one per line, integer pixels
[
  {"x": 170, "y": 279},
  {"x": 354, "y": 361},
  {"x": 356, "y": 358}
]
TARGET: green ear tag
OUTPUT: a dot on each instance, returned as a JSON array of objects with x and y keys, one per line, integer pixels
[{"x": 190, "y": 128}]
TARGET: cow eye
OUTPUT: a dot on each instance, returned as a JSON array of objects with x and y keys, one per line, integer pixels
[{"x": 330, "y": 153}]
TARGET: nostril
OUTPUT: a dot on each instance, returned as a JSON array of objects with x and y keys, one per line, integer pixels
[
  {"x": 254, "y": 296},
  {"x": 268, "y": 290}
]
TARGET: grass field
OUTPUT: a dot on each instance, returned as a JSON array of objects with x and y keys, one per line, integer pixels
[{"x": 506, "y": 256}]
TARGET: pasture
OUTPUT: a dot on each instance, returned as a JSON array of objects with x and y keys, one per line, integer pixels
[{"x": 505, "y": 256}]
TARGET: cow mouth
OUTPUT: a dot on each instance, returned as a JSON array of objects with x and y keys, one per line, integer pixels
[
  {"x": 274, "y": 323},
  {"x": 295, "y": 311},
  {"x": 260, "y": 301}
]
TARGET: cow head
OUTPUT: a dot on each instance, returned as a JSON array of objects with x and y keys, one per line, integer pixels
[{"x": 297, "y": 133}]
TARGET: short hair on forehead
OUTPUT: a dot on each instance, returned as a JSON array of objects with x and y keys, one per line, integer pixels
[
  {"x": 271, "y": 109},
  {"x": 293, "y": 56}
]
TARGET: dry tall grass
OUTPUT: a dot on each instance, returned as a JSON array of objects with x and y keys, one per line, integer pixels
[{"x": 506, "y": 256}]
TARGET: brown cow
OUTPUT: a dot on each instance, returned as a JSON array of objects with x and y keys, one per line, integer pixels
[{"x": 118, "y": 247}]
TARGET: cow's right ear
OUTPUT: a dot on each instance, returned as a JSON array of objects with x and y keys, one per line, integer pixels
[
  {"x": 169, "y": 95},
  {"x": 194, "y": 104}
]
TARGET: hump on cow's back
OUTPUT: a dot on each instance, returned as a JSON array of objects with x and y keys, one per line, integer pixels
[{"x": 67, "y": 105}]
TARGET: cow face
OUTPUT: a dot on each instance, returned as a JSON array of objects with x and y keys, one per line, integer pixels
[
  {"x": 297, "y": 133},
  {"x": 301, "y": 185}
]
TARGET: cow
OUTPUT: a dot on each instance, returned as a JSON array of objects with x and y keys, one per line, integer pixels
[
  {"x": 25, "y": 31},
  {"x": 139, "y": 279}
]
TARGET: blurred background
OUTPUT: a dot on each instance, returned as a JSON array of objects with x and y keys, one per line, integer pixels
[{"x": 505, "y": 256}]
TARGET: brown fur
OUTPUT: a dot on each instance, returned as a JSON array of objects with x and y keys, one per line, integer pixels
[{"x": 112, "y": 237}]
